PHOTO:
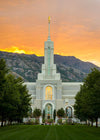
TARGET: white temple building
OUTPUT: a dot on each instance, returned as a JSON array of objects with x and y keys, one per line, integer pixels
[{"x": 49, "y": 93}]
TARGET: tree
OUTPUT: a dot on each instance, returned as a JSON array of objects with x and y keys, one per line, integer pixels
[
  {"x": 24, "y": 105},
  {"x": 43, "y": 114},
  {"x": 3, "y": 72},
  {"x": 54, "y": 114},
  {"x": 81, "y": 104},
  {"x": 14, "y": 97},
  {"x": 87, "y": 105},
  {"x": 60, "y": 113},
  {"x": 37, "y": 113},
  {"x": 30, "y": 114}
]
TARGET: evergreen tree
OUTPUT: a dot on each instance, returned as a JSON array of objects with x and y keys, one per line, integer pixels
[
  {"x": 43, "y": 114},
  {"x": 3, "y": 72},
  {"x": 14, "y": 97},
  {"x": 54, "y": 114},
  {"x": 24, "y": 105}
]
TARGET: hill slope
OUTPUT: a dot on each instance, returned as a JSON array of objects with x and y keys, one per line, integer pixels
[{"x": 28, "y": 66}]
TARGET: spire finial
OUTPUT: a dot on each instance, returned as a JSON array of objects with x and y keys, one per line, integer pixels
[{"x": 49, "y": 19}]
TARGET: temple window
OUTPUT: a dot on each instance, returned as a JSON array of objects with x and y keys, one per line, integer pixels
[{"x": 48, "y": 93}]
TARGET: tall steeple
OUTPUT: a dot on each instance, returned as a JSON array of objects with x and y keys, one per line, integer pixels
[
  {"x": 49, "y": 28},
  {"x": 48, "y": 68}
]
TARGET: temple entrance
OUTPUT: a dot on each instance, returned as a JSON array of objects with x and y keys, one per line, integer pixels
[
  {"x": 68, "y": 112},
  {"x": 48, "y": 111}
]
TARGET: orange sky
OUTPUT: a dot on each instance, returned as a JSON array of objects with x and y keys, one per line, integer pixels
[{"x": 75, "y": 27}]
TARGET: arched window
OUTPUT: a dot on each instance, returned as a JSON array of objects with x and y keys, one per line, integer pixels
[
  {"x": 48, "y": 93},
  {"x": 48, "y": 111},
  {"x": 69, "y": 112}
]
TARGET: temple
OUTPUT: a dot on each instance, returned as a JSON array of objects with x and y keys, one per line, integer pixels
[{"x": 49, "y": 93}]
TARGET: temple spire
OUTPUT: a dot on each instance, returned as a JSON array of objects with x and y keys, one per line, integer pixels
[{"x": 49, "y": 28}]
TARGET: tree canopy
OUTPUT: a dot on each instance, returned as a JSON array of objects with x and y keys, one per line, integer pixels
[
  {"x": 87, "y": 105},
  {"x": 14, "y": 97}
]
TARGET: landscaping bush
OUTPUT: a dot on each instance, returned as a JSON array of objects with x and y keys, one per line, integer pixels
[
  {"x": 36, "y": 121},
  {"x": 59, "y": 121},
  {"x": 69, "y": 121},
  {"x": 64, "y": 121},
  {"x": 50, "y": 121},
  {"x": 30, "y": 122},
  {"x": 43, "y": 121}
]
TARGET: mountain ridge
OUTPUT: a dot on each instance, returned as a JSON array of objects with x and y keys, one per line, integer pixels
[{"x": 28, "y": 66}]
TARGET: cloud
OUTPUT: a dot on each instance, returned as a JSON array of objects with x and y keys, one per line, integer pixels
[{"x": 75, "y": 26}]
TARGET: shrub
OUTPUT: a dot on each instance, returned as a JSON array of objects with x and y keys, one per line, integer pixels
[
  {"x": 60, "y": 112},
  {"x": 50, "y": 121},
  {"x": 59, "y": 121},
  {"x": 69, "y": 121},
  {"x": 37, "y": 113},
  {"x": 36, "y": 121},
  {"x": 29, "y": 122}
]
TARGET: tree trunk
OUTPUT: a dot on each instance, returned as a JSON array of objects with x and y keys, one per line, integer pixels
[
  {"x": 86, "y": 122},
  {"x": 2, "y": 122},
  {"x": 10, "y": 122},
  {"x": 5, "y": 122},
  {"x": 96, "y": 122}
]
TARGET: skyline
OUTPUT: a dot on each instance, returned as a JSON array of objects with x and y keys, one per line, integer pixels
[{"x": 75, "y": 27}]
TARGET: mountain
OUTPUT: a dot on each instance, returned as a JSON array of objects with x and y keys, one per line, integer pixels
[{"x": 28, "y": 66}]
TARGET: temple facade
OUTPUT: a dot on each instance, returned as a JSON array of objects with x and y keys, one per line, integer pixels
[{"x": 49, "y": 93}]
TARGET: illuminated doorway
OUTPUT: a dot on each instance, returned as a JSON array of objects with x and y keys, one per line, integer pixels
[{"x": 48, "y": 111}]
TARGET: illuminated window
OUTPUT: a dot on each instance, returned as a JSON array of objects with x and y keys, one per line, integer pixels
[{"x": 48, "y": 93}]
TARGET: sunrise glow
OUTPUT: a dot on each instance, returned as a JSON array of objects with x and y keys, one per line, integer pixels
[
  {"x": 14, "y": 50},
  {"x": 75, "y": 27}
]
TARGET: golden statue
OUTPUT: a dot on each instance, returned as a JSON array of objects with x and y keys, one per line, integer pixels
[{"x": 49, "y": 19}]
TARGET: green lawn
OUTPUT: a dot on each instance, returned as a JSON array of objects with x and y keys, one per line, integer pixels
[{"x": 31, "y": 132}]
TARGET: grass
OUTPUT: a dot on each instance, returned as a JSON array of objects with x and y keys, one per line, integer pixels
[{"x": 63, "y": 132}]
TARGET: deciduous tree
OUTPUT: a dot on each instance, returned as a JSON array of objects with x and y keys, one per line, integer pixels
[
  {"x": 87, "y": 105},
  {"x": 37, "y": 113},
  {"x": 60, "y": 113}
]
